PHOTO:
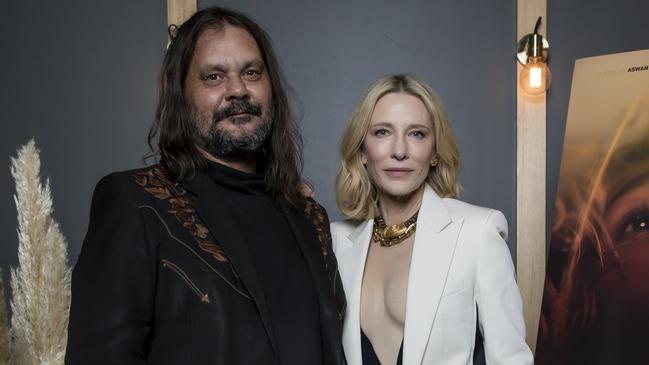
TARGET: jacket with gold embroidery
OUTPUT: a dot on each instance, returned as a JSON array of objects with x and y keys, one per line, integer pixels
[{"x": 162, "y": 278}]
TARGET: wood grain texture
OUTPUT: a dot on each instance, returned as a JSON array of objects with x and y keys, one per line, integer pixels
[
  {"x": 530, "y": 182},
  {"x": 180, "y": 10}
]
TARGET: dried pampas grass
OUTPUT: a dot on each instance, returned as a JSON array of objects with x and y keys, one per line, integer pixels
[{"x": 41, "y": 283}]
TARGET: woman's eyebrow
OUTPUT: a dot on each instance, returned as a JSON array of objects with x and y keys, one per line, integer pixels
[{"x": 637, "y": 181}]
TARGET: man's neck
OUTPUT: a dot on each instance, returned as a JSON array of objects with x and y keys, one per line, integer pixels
[{"x": 246, "y": 164}]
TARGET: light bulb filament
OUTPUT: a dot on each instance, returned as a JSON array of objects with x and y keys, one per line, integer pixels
[{"x": 536, "y": 77}]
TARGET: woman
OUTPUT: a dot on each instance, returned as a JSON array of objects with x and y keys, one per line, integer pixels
[{"x": 418, "y": 267}]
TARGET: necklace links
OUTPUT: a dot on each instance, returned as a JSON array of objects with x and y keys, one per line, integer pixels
[{"x": 395, "y": 234}]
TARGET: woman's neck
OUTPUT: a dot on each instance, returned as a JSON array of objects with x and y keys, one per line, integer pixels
[{"x": 396, "y": 209}]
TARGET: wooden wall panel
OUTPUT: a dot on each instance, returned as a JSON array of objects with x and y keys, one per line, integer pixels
[
  {"x": 180, "y": 10},
  {"x": 530, "y": 182}
]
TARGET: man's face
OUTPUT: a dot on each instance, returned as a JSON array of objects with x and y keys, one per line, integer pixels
[{"x": 229, "y": 90}]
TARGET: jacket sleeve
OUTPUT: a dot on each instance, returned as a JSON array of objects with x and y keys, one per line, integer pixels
[
  {"x": 498, "y": 298},
  {"x": 112, "y": 283}
]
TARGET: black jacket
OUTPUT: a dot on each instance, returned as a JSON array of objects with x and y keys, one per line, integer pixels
[{"x": 162, "y": 278}]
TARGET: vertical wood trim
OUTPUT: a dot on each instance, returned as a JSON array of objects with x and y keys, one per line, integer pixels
[
  {"x": 180, "y": 10},
  {"x": 530, "y": 181}
]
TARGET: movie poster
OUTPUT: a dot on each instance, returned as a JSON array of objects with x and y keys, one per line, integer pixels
[{"x": 596, "y": 298}]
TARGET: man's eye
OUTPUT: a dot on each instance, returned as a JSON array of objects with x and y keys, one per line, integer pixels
[
  {"x": 213, "y": 77},
  {"x": 252, "y": 75}
]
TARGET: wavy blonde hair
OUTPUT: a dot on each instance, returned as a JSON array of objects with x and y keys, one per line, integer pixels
[{"x": 356, "y": 195}]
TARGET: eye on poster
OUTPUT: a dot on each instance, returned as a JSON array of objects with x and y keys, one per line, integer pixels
[{"x": 596, "y": 298}]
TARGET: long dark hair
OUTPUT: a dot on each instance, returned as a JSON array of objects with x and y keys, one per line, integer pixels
[{"x": 178, "y": 138}]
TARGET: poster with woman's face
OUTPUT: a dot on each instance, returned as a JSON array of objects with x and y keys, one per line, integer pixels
[{"x": 596, "y": 298}]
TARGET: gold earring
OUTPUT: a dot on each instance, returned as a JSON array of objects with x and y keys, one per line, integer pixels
[{"x": 434, "y": 162}]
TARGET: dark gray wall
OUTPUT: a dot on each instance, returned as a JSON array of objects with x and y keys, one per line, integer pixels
[
  {"x": 79, "y": 77},
  {"x": 331, "y": 51},
  {"x": 578, "y": 29}
]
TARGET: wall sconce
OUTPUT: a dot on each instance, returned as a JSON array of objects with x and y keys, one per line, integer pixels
[{"x": 532, "y": 53}]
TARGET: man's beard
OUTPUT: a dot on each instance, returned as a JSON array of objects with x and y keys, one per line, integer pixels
[{"x": 220, "y": 143}]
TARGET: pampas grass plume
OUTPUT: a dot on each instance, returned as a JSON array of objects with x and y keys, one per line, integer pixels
[{"x": 41, "y": 283}]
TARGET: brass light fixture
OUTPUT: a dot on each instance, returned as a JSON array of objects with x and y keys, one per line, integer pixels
[{"x": 532, "y": 53}]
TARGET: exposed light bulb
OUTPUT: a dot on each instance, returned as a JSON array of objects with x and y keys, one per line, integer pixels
[
  {"x": 532, "y": 52},
  {"x": 535, "y": 77}
]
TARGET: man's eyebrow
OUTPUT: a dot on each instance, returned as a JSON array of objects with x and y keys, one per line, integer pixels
[
  {"x": 210, "y": 67},
  {"x": 253, "y": 63},
  {"x": 213, "y": 67}
]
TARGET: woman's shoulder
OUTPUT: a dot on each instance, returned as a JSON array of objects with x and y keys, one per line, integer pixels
[
  {"x": 345, "y": 226},
  {"x": 471, "y": 212}
]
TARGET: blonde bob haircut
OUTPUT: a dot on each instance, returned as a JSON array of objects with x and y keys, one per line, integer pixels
[{"x": 356, "y": 195}]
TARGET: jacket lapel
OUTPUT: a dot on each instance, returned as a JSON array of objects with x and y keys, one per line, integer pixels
[
  {"x": 322, "y": 271},
  {"x": 220, "y": 224},
  {"x": 434, "y": 247},
  {"x": 352, "y": 254}
]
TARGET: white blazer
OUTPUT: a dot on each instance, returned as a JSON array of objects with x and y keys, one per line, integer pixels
[{"x": 460, "y": 266}]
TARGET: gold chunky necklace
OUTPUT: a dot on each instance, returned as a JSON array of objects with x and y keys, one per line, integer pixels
[{"x": 393, "y": 235}]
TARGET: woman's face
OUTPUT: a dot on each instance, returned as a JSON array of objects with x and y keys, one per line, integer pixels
[
  {"x": 627, "y": 222},
  {"x": 399, "y": 145}
]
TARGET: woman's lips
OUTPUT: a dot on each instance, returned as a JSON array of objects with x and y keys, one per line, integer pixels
[{"x": 398, "y": 172}]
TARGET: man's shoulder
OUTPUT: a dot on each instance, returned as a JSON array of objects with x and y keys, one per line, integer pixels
[
  {"x": 315, "y": 210},
  {"x": 134, "y": 182},
  {"x": 155, "y": 174}
]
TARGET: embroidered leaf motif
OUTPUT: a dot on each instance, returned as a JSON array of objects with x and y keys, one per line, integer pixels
[
  {"x": 155, "y": 182},
  {"x": 159, "y": 192},
  {"x": 210, "y": 247},
  {"x": 314, "y": 211},
  {"x": 198, "y": 230}
]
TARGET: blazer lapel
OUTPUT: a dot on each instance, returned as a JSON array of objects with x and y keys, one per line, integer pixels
[
  {"x": 220, "y": 224},
  {"x": 434, "y": 247},
  {"x": 351, "y": 255}
]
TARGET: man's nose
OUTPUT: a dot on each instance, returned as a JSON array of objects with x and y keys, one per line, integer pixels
[{"x": 236, "y": 89}]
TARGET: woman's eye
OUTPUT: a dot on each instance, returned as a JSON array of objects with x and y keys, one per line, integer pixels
[
  {"x": 637, "y": 223},
  {"x": 380, "y": 132},
  {"x": 418, "y": 134}
]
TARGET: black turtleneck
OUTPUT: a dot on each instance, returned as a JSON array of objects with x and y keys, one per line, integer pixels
[{"x": 281, "y": 269}]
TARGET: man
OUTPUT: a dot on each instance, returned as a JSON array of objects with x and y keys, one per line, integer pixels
[{"x": 212, "y": 256}]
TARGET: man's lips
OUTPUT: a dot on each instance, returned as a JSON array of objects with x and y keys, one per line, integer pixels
[
  {"x": 239, "y": 118},
  {"x": 398, "y": 171}
]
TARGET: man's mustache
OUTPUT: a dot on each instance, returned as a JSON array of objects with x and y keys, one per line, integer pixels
[{"x": 236, "y": 107}]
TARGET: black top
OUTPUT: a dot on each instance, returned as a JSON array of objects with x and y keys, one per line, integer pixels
[
  {"x": 280, "y": 266},
  {"x": 369, "y": 356}
]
